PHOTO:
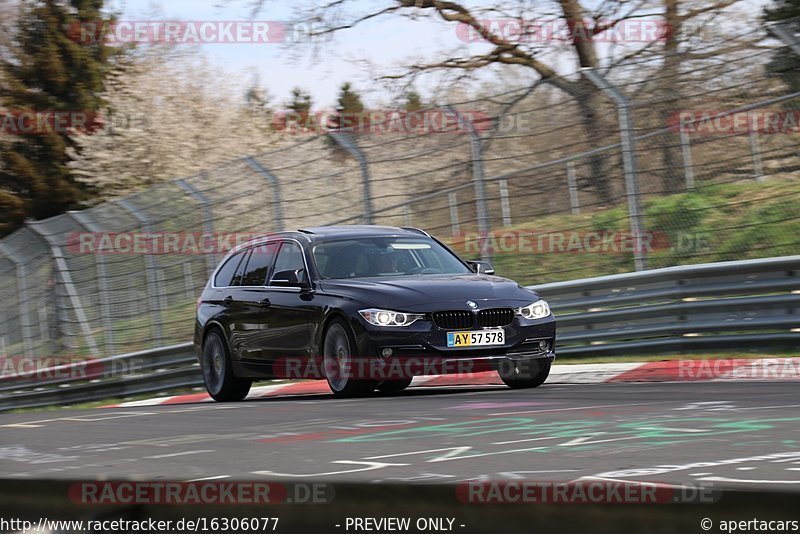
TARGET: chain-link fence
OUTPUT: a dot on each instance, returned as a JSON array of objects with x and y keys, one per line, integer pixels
[{"x": 683, "y": 165}]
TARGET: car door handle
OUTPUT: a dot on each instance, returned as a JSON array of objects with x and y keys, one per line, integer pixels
[
  {"x": 227, "y": 301},
  {"x": 264, "y": 303}
]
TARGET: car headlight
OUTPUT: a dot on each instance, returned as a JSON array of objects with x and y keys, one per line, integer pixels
[
  {"x": 537, "y": 310},
  {"x": 389, "y": 318}
]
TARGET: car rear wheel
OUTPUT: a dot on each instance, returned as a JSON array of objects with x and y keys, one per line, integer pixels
[
  {"x": 220, "y": 382},
  {"x": 391, "y": 386},
  {"x": 528, "y": 374},
  {"x": 337, "y": 355}
]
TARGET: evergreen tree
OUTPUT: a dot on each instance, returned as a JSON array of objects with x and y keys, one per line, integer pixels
[
  {"x": 301, "y": 102},
  {"x": 413, "y": 101},
  {"x": 349, "y": 108},
  {"x": 785, "y": 63},
  {"x": 349, "y": 101},
  {"x": 45, "y": 70}
]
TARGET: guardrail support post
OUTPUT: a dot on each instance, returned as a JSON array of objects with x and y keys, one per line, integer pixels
[
  {"x": 277, "y": 206},
  {"x": 354, "y": 151},
  {"x": 478, "y": 180},
  {"x": 66, "y": 278},
  {"x": 153, "y": 292},
  {"x": 627, "y": 136}
]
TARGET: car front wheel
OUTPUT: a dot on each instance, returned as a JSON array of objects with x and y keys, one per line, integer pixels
[
  {"x": 337, "y": 355},
  {"x": 527, "y": 374},
  {"x": 218, "y": 375}
]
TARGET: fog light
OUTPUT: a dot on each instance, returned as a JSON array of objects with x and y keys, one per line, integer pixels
[
  {"x": 544, "y": 345},
  {"x": 386, "y": 353}
]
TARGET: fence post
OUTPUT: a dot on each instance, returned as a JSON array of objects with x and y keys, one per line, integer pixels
[
  {"x": 572, "y": 183},
  {"x": 208, "y": 218},
  {"x": 478, "y": 181},
  {"x": 277, "y": 207},
  {"x": 786, "y": 36},
  {"x": 3, "y": 334},
  {"x": 792, "y": 41},
  {"x": 505, "y": 205},
  {"x": 102, "y": 279},
  {"x": 406, "y": 215},
  {"x": 66, "y": 278},
  {"x": 755, "y": 152},
  {"x": 25, "y": 319},
  {"x": 688, "y": 165},
  {"x": 627, "y": 136},
  {"x": 455, "y": 227},
  {"x": 150, "y": 270},
  {"x": 354, "y": 151}
]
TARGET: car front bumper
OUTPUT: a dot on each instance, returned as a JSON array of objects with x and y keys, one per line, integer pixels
[{"x": 422, "y": 347}]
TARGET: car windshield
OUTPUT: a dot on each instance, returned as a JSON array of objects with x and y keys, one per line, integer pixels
[{"x": 384, "y": 256}]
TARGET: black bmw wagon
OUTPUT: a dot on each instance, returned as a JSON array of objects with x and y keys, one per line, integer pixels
[{"x": 365, "y": 308}]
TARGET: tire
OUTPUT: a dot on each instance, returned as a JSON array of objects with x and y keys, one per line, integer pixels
[
  {"x": 529, "y": 374},
  {"x": 336, "y": 351},
  {"x": 392, "y": 386},
  {"x": 218, "y": 377}
]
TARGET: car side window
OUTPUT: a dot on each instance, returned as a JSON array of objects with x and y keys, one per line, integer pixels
[
  {"x": 290, "y": 258},
  {"x": 225, "y": 273},
  {"x": 237, "y": 278},
  {"x": 258, "y": 266}
]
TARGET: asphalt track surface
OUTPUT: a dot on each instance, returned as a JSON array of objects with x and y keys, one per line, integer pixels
[{"x": 724, "y": 434}]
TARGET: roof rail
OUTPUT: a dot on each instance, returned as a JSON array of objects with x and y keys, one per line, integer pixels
[{"x": 415, "y": 230}]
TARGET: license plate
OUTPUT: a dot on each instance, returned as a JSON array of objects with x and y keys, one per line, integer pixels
[{"x": 477, "y": 338}]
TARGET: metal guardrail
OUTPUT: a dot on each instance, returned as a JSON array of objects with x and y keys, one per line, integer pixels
[
  {"x": 148, "y": 371},
  {"x": 751, "y": 304},
  {"x": 747, "y": 304}
]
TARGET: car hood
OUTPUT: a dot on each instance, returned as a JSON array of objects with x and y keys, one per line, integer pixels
[{"x": 432, "y": 292}]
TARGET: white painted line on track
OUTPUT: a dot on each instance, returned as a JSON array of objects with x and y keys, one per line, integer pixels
[
  {"x": 174, "y": 454},
  {"x": 218, "y": 477}
]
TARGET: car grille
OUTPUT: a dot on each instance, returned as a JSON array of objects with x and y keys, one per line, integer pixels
[
  {"x": 495, "y": 317},
  {"x": 452, "y": 320}
]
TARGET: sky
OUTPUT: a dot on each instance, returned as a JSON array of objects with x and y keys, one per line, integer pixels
[{"x": 385, "y": 42}]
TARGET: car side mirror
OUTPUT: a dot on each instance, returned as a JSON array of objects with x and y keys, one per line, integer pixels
[
  {"x": 481, "y": 267},
  {"x": 290, "y": 278}
]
